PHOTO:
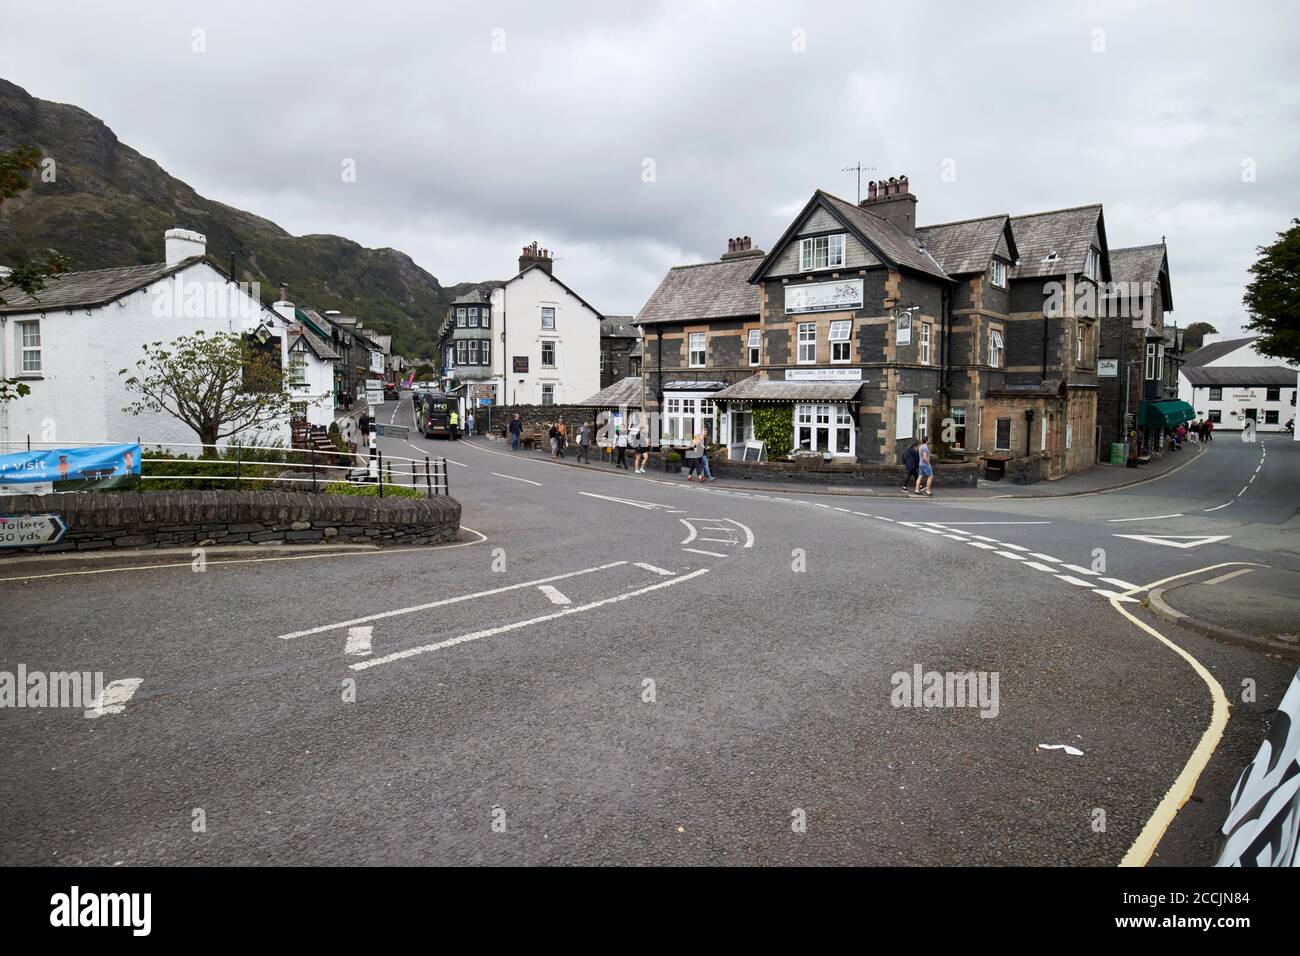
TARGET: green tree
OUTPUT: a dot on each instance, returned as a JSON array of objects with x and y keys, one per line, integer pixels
[
  {"x": 28, "y": 278},
  {"x": 219, "y": 385},
  {"x": 1273, "y": 296},
  {"x": 1194, "y": 335}
]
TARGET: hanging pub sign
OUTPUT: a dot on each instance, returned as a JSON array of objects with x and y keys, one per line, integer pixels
[
  {"x": 521, "y": 364},
  {"x": 824, "y": 296},
  {"x": 903, "y": 318}
]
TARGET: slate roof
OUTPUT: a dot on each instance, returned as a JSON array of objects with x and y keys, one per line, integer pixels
[
  {"x": 707, "y": 290},
  {"x": 320, "y": 347},
  {"x": 618, "y": 327},
  {"x": 626, "y": 391},
  {"x": 1067, "y": 232},
  {"x": 472, "y": 297},
  {"x": 1242, "y": 376},
  {"x": 967, "y": 246},
  {"x": 756, "y": 389},
  {"x": 85, "y": 290},
  {"x": 1142, "y": 264},
  {"x": 898, "y": 248},
  {"x": 1215, "y": 350}
]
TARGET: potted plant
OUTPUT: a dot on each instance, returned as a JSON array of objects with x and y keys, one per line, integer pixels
[{"x": 673, "y": 463}]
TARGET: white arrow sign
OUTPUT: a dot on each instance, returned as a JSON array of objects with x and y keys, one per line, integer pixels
[{"x": 1177, "y": 540}]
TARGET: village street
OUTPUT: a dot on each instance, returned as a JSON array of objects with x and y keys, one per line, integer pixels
[{"x": 623, "y": 669}]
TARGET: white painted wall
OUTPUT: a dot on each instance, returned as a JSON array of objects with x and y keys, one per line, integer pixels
[
  {"x": 517, "y": 307},
  {"x": 79, "y": 395},
  {"x": 1235, "y": 400},
  {"x": 1243, "y": 357}
]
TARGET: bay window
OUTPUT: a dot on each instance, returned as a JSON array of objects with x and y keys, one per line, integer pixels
[{"x": 823, "y": 428}]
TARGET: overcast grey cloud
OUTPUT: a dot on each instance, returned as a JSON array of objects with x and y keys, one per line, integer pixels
[{"x": 477, "y": 128}]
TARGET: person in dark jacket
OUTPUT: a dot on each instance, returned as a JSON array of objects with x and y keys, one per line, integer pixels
[
  {"x": 912, "y": 462},
  {"x": 516, "y": 432}
]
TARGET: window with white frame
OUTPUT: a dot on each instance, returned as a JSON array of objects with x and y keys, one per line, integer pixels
[
  {"x": 1216, "y": 393},
  {"x": 996, "y": 349},
  {"x": 923, "y": 346},
  {"x": 297, "y": 367},
  {"x": 548, "y": 355},
  {"x": 461, "y": 353},
  {"x": 471, "y": 318},
  {"x": 821, "y": 252},
  {"x": 548, "y": 393},
  {"x": 923, "y": 421},
  {"x": 755, "y": 346},
  {"x": 473, "y": 351},
  {"x": 958, "y": 427},
  {"x": 485, "y": 351},
  {"x": 696, "y": 350},
  {"x": 841, "y": 346},
  {"x": 1080, "y": 342},
  {"x": 485, "y": 317},
  {"x": 460, "y": 317},
  {"x": 1152, "y": 361},
  {"x": 686, "y": 416},
  {"x": 1092, "y": 265},
  {"x": 548, "y": 317},
  {"x": 807, "y": 342},
  {"x": 824, "y": 428},
  {"x": 29, "y": 344},
  {"x": 998, "y": 273}
]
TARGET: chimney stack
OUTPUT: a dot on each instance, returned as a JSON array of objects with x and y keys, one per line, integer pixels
[
  {"x": 742, "y": 247},
  {"x": 181, "y": 244},
  {"x": 533, "y": 256},
  {"x": 892, "y": 200}
]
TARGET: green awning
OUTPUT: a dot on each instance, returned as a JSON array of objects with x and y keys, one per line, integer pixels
[{"x": 1167, "y": 414}]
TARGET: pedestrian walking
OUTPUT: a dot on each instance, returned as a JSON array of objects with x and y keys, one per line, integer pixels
[
  {"x": 642, "y": 452},
  {"x": 925, "y": 469},
  {"x": 562, "y": 438},
  {"x": 702, "y": 439},
  {"x": 620, "y": 446},
  {"x": 584, "y": 443},
  {"x": 1209, "y": 430},
  {"x": 516, "y": 432},
  {"x": 469, "y": 424},
  {"x": 554, "y": 435},
  {"x": 455, "y": 423},
  {"x": 693, "y": 459},
  {"x": 912, "y": 462}
]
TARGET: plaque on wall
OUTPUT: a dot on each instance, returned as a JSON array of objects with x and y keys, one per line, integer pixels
[
  {"x": 521, "y": 364},
  {"x": 834, "y": 296}
]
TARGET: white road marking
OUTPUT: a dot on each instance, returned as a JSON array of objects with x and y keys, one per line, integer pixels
[
  {"x": 1183, "y": 541},
  {"x": 451, "y": 600},
  {"x": 114, "y": 697},
  {"x": 1145, "y": 518},
  {"x": 1041, "y": 567},
  {"x": 643, "y": 505},
  {"x": 883, "y": 518},
  {"x": 1229, "y": 576},
  {"x": 651, "y": 567},
  {"x": 1243, "y": 490},
  {"x": 955, "y": 537},
  {"x": 1075, "y": 581},
  {"x": 996, "y": 522},
  {"x": 1217, "y": 507},
  {"x": 981, "y": 544},
  {"x": 863, "y": 514},
  {"x": 691, "y": 528},
  {"x": 359, "y": 641},
  {"x": 492, "y": 631},
  {"x": 720, "y": 540},
  {"x": 1121, "y": 583},
  {"x": 845, "y": 510},
  {"x": 552, "y": 592},
  {"x": 712, "y": 554},
  {"x": 1009, "y": 554},
  {"x": 513, "y": 478},
  {"x": 1075, "y": 567},
  {"x": 1114, "y": 595},
  {"x": 1044, "y": 557},
  {"x": 1015, "y": 547},
  {"x": 980, "y": 537}
]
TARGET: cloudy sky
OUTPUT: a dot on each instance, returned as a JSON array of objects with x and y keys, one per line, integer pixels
[{"x": 632, "y": 137}]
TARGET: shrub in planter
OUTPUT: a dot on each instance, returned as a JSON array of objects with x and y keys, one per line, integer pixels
[{"x": 673, "y": 462}]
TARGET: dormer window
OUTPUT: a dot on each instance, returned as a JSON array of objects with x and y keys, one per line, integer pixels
[
  {"x": 998, "y": 273},
  {"x": 821, "y": 252},
  {"x": 1051, "y": 257},
  {"x": 1092, "y": 265}
]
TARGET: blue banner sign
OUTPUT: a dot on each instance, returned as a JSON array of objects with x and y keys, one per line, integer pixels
[{"x": 68, "y": 469}]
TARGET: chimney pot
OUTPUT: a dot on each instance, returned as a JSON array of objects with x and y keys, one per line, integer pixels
[{"x": 731, "y": 245}]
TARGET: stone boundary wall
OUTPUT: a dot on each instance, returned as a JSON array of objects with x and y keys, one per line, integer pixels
[
  {"x": 949, "y": 474},
  {"x": 170, "y": 519}
]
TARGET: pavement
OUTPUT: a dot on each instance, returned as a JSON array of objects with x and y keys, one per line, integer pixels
[
  {"x": 615, "y": 668},
  {"x": 1096, "y": 480},
  {"x": 1254, "y": 606}
]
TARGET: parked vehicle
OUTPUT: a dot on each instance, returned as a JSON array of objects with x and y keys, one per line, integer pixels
[
  {"x": 390, "y": 392},
  {"x": 435, "y": 415}
]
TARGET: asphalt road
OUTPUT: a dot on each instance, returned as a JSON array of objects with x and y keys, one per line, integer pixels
[{"x": 637, "y": 670}]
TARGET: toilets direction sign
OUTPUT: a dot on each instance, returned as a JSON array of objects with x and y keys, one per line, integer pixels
[{"x": 26, "y": 531}]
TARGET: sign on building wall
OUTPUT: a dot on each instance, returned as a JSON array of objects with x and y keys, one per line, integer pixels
[
  {"x": 823, "y": 375},
  {"x": 903, "y": 320},
  {"x": 824, "y": 296},
  {"x": 521, "y": 364},
  {"x": 1107, "y": 368},
  {"x": 377, "y": 362}
]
